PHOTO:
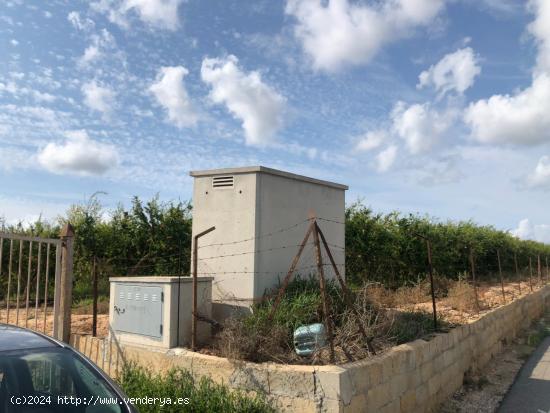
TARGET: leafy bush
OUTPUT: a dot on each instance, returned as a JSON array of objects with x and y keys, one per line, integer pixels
[{"x": 204, "y": 395}]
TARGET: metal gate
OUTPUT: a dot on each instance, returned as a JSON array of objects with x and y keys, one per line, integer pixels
[{"x": 36, "y": 282}]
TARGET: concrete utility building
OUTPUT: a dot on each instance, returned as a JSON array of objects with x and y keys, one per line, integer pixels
[{"x": 260, "y": 215}]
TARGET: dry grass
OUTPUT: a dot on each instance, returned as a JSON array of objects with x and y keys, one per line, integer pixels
[
  {"x": 462, "y": 297},
  {"x": 418, "y": 293},
  {"x": 238, "y": 341},
  {"x": 384, "y": 327},
  {"x": 379, "y": 295},
  {"x": 389, "y": 317},
  {"x": 86, "y": 306}
]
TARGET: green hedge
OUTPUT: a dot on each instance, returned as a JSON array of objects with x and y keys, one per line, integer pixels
[
  {"x": 154, "y": 237},
  {"x": 384, "y": 247}
]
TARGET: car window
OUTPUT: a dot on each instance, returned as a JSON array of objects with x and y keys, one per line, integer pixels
[
  {"x": 49, "y": 375},
  {"x": 57, "y": 376},
  {"x": 96, "y": 387}
]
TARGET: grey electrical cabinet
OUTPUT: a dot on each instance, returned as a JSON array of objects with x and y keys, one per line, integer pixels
[
  {"x": 156, "y": 311},
  {"x": 138, "y": 309}
]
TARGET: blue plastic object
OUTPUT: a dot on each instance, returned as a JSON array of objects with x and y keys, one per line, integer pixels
[{"x": 308, "y": 339}]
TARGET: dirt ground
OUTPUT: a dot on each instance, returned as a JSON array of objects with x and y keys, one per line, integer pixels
[
  {"x": 490, "y": 297},
  {"x": 80, "y": 323}
]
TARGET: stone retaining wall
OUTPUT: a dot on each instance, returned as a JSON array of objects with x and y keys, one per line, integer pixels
[{"x": 413, "y": 377}]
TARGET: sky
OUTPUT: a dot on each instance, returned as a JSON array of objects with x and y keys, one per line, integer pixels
[{"x": 438, "y": 107}]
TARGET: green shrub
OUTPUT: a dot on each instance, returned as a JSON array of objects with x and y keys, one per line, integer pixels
[
  {"x": 204, "y": 395},
  {"x": 301, "y": 304},
  {"x": 409, "y": 326}
]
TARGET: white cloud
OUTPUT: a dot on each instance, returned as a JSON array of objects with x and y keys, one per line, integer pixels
[
  {"x": 170, "y": 93},
  {"x": 371, "y": 140},
  {"x": 78, "y": 154},
  {"x": 523, "y": 118},
  {"x": 537, "y": 232},
  {"x": 14, "y": 42},
  {"x": 246, "y": 96},
  {"x": 338, "y": 32},
  {"x": 113, "y": 10},
  {"x": 540, "y": 177},
  {"x": 100, "y": 43},
  {"x": 80, "y": 23},
  {"x": 386, "y": 158},
  {"x": 455, "y": 71},
  {"x": 158, "y": 13},
  {"x": 540, "y": 29},
  {"x": 12, "y": 88},
  {"x": 421, "y": 126},
  {"x": 98, "y": 97}
]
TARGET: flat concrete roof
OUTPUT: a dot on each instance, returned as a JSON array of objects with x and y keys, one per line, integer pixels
[{"x": 263, "y": 169}]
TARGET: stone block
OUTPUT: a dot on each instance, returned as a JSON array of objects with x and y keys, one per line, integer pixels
[
  {"x": 386, "y": 361},
  {"x": 434, "y": 384},
  {"x": 426, "y": 371},
  {"x": 408, "y": 401},
  {"x": 292, "y": 382},
  {"x": 422, "y": 394},
  {"x": 378, "y": 396},
  {"x": 375, "y": 374},
  {"x": 398, "y": 385},
  {"x": 393, "y": 407},
  {"x": 357, "y": 405}
]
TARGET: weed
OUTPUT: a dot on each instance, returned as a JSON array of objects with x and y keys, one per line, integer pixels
[
  {"x": 462, "y": 296},
  {"x": 204, "y": 395},
  {"x": 85, "y": 306}
]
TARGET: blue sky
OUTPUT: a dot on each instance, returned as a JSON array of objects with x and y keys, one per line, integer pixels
[{"x": 430, "y": 106}]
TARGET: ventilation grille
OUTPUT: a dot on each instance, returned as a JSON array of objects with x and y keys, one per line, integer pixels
[{"x": 222, "y": 182}]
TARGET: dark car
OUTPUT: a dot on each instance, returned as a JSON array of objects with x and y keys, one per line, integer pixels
[{"x": 41, "y": 375}]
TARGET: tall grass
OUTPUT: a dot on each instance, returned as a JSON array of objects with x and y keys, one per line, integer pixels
[{"x": 204, "y": 395}]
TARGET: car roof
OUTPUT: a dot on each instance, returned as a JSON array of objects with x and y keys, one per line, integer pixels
[{"x": 17, "y": 338}]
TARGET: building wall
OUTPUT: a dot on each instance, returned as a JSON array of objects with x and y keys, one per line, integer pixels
[
  {"x": 413, "y": 377},
  {"x": 282, "y": 203},
  {"x": 232, "y": 212},
  {"x": 261, "y": 203}
]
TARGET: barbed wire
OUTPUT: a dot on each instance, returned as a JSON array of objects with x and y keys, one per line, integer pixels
[
  {"x": 278, "y": 231},
  {"x": 252, "y": 252},
  {"x": 266, "y": 272}
]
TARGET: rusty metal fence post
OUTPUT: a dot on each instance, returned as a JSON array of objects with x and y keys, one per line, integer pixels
[
  {"x": 95, "y": 294},
  {"x": 322, "y": 287},
  {"x": 518, "y": 275},
  {"x": 539, "y": 270},
  {"x": 66, "y": 288},
  {"x": 501, "y": 278},
  {"x": 195, "y": 282},
  {"x": 473, "y": 271},
  {"x": 530, "y": 274},
  {"x": 547, "y": 272}
]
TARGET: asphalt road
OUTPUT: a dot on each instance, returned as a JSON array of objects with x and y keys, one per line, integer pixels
[{"x": 531, "y": 389}]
